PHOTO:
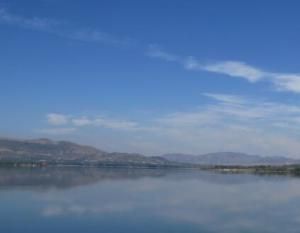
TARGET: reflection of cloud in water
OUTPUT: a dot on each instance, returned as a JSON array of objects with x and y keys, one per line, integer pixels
[
  {"x": 64, "y": 178},
  {"x": 54, "y": 211},
  {"x": 208, "y": 201}
]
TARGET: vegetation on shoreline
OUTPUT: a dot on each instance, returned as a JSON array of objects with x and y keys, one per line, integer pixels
[{"x": 257, "y": 169}]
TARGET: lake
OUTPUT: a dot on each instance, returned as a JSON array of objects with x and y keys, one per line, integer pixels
[{"x": 143, "y": 200}]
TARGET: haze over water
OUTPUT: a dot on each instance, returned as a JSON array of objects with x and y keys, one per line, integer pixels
[{"x": 138, "y": 200}]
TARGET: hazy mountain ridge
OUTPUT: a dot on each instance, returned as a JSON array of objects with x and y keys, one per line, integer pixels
[
  {"x": 69, "y": 153},
  {"x": 230, "y": 158},
  {"x": 63, "y": 152}
]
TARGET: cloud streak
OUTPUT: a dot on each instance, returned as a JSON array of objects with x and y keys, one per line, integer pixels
[
  {"x": 59, "y": 120},
  {"x": 62, "y": 29},
  {"x": 105, "y": 123},
  {"x": 281, "y": 81},
  {"x": 236, "y": 69},
  {"x": 35, "y": 23}
]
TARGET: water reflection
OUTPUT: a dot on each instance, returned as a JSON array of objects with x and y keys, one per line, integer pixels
[
  {"x": 138, "y": 200},
  {"x": 63, "y": 178}
]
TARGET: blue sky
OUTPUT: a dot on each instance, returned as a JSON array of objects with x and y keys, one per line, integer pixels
[{"x": 153, "y": 77}]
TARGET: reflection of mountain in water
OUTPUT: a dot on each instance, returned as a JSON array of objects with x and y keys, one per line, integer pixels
[
  {"x": 44, "y": 178},
  {"x": 69, "y": 177},
  {"x": 227, "y": 178}
]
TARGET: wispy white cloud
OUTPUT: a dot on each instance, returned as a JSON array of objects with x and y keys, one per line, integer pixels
[
  {"x": 57, "y": 119},
  {"x": 105, "y": 123},
  {"x": 226, "y": 98},
  {"x": 236, "y": 69},
  {"x": 62, "y": 29},
  {"x": 35, "y": 23},
  {"x": 92, "y": 35},
  {"x": 116, "y": 124},
  {"x": 155, "y": 51},
  {"x": 281, "y": 81},
  {"x": 287, "y": 82},
  {"x": 230, "y": 68},
  {"x": 82, "y": 121},
  {"x": 236, "y": 108}
]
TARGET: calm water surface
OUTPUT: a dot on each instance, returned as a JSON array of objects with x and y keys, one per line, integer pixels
[{"x": 120, "y": 200}]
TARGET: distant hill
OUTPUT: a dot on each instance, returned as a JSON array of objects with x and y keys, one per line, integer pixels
[
  {"x": 229, "y": 158},
  {"x": 45, "y": 151}
]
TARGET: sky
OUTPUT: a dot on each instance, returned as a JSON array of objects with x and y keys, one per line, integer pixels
[{"x": 153, "y": 77}]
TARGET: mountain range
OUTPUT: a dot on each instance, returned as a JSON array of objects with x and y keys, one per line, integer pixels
[
  {"x": 45, "y": 151},
  {"x": 230, "y": 158}
]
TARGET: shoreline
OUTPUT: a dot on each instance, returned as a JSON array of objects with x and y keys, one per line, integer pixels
[{"x": 291, "y": 169}]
